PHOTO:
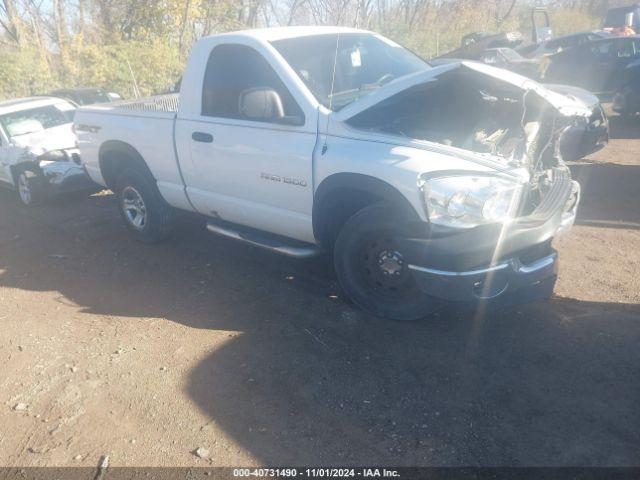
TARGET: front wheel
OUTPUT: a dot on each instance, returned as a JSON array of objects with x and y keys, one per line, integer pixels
[
  {"x": 372, "y": 270},
  {"x": 28, "y": 187},
  {"x": 145, "y": 213}
]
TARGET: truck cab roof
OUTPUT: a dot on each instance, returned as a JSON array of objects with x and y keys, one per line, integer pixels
[{"x": 273, "y": 34}]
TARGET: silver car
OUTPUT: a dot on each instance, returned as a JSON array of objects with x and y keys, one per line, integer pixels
[{"x": 38, "y": 151}]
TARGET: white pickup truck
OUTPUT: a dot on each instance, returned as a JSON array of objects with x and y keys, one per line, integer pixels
[{"x": 424, "y": 184}]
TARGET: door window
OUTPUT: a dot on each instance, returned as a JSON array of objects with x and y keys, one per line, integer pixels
[
  {"x": 603, "y": 50},
  {"x": 624, "y": 50},
  {"x": 237, "y": 74},
  {"x": 562, "y": 43},
  {"x": 632, "y": 48},
  {"x": 491, "y": 58}
]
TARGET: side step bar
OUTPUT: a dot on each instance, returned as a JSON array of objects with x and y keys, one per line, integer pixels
[{"x": 268, "y": 241}]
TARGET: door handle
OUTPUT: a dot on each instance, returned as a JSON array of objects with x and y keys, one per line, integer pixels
[{"x": 202, "y": 137}]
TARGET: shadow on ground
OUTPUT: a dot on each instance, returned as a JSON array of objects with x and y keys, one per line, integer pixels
[
  {"x": 610, "y": 196},
  {"x": 624, "y": 128},
  {"x": 311, "y": 380},
  {"x": 549, "y": 384}
]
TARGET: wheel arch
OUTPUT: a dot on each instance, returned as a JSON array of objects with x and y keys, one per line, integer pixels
[
  {"x": 115, "y": 156},
  {"x": 18, "y": 168},
  {"x": 341, "y": 195}
]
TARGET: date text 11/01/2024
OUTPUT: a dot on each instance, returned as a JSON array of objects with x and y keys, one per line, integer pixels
[{"x": 317, "y": 472}]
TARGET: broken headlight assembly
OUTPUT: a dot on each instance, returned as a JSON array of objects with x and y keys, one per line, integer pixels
[
  {"x": 54, "y": 156},
  {"x": 467, "y": 201}
]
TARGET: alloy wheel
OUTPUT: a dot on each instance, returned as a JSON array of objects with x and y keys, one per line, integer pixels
[
  {"x": 24, "y": 189},
  {"x": 134, "y": 207}
]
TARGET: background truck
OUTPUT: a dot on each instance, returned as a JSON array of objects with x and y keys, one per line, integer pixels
[
  {"x": 423, "y": 184},
  {"x": 623, "y": 21}
]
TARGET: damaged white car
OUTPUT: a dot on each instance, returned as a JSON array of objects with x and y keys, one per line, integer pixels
[
  {"x": 423, "y": 184},
  {"x": 38, "y": 151}
]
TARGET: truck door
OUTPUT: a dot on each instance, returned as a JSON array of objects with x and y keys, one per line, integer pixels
[
  {"x": 627, "y": 53},
  {"x": 595, "y": 73},
  {"x": 251, "y": 146},
  {"x": 612, "y": 58}
]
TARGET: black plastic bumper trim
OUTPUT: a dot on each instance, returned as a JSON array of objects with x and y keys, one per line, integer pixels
[{"x": 489, "y": 283}]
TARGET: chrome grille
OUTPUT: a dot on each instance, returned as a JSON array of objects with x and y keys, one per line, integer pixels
[{"x": 553, "y": 199}]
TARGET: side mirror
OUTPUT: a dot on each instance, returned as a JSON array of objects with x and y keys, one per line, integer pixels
[
  {"x": 264, "y": 104},
  {"x": 261, "y": 103}
]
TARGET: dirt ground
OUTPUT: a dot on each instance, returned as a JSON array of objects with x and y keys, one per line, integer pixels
[{"x": 147, "y": 353}]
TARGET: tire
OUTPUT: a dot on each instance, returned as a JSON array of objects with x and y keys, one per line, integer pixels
[
  {"x": 626, "y": 92},
  {"x": 146, "y": 214},
  {"x": 367, "y": 247},
  {"x": 28, "y": 186}
]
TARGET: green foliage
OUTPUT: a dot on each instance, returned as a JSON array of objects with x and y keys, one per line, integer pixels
[
  {"x": 156, "y": 66},
  {"x": 567, "y": 20},
  {"x": 441, "y": 29},
  {"x": 153, "y": 37},
  {"x": 24, "y": 73}
]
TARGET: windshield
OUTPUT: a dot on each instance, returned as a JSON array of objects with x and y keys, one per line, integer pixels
[
  {"x": 365, "y": 62},
  {"x": 89, "y": 97},
  {"x": 24, "y": 122}
]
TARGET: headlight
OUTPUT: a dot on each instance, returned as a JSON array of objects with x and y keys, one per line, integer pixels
[
  {"x": 466, "y": 201},
  {"x": 54, "y": 156}
]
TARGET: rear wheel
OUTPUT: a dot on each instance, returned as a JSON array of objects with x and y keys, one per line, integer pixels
[
  {"x": 145, "y": 213},
  {"x": 372, "y": 270}
]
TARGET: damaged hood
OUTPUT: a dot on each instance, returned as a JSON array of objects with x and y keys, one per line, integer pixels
[
  {"x": 55, "y": 138},
  {"x": 568, "y": 106}
]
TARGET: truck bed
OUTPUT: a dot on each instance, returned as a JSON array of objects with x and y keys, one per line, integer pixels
[
  {"x": 158, "y": 107},
  {"x": 146, "y": 127}
]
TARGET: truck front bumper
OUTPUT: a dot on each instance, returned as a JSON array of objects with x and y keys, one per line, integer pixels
[
  {"x": 507, "y": 264},
  {"x": 491, "y": 282}
]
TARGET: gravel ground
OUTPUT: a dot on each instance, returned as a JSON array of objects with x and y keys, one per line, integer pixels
[{"x": 147, "y": 353}]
